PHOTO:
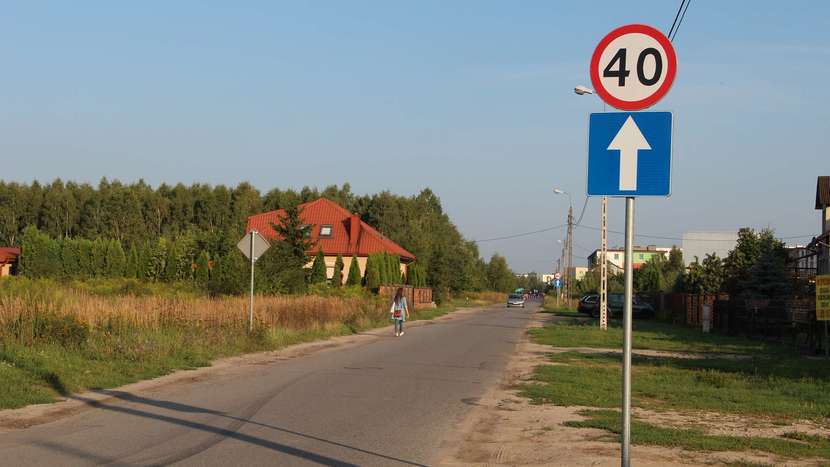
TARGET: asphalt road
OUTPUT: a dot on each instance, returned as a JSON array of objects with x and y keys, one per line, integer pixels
[{"x": 389, "y": 401}]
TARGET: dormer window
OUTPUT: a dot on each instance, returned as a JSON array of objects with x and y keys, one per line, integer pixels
[{"x": 325, "y": 231}]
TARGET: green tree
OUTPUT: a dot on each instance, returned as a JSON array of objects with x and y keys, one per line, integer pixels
[
  {"x": 373, "y": 280},
  {"x": 131, "y": 268},
  {"x": 71, "y": 257},
  {"x": 337, "y": 277},
  {"x": 202, "y": 273},
  {"x": 740, "y": 259},
  {"x": 354, "y": 273},
  {"x": 318, "y": 269},
  {"x": 649, "y": 277},
  {"x": 116, "y": 259},
  {"x": 229, "y": 275},
  {"x": 768, "y": 276},
  {"x": 499, "y": 276},
  {"x": 713, "y": 274},
  {"x": 99, "y": 257},
  {"x": 693, "y": 279},
  {"x": 282, "y": 266},
  {"x": 40, "y": 255}
]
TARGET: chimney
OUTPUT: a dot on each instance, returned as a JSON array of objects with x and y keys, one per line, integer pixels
[{"x": 354, "y": 232}]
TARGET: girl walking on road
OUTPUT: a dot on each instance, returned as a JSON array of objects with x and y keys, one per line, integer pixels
[{"x": 399, "y": 311}]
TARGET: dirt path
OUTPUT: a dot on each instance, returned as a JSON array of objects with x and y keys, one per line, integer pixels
[{"x": 505, "y": 429}]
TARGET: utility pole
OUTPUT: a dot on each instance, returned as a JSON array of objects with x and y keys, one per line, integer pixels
[
  {"x": 568, "y": 282},
  {"x": 603, "y": 267}
]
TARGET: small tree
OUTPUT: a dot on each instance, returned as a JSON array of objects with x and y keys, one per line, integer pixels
[
  {"x": 202, "y": 273},
  {"x": 116, "y": 259},
  {"x": 373, "y": 280},
  {"x": 337, "y": 277},
  {"x": 229, "y": 275},
  {"x": 131, "y": 268},
  {"x": 318, "y": 269},
  {"x": 71, "y": 257},
  {"x": 99, "y": 257},
  {"x": 354, "y": 273}
]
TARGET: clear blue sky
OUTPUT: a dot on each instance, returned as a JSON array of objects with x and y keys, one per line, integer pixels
[{"x": 472, "y": 99}]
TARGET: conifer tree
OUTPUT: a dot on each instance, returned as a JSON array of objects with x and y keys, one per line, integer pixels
[
  {"x": 171, "y": 263},
  {"x": 116, "y": 259},
  {"x": 131, "y": 268},
  {"x": 99, "y": 257},
  {"x": 318, "y": 269},
  {"x": 337, "y": 277},
  {"x": 373, "y": 271},
  {"x": 354, "y": 273}
]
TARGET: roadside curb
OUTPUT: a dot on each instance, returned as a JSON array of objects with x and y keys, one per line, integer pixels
[{"x": 37, "y": 414}]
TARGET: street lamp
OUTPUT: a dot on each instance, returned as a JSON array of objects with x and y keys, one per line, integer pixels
[
  {"x": 582, "y": 90},
  {"x": 603, "y": 255}
]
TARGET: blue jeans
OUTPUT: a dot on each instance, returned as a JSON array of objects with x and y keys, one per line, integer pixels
[{"x": 398, "y": 326}]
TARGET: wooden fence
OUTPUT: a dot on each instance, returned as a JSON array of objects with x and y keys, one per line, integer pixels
[{"x": 417, "y": 297}]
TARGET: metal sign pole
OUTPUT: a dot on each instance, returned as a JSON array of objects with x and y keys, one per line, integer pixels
[
  {"x": 251, "y": 302},
  {"x": 629, "y": 289}
]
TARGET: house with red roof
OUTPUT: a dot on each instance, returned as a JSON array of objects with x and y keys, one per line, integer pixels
[
  {"x": 335, "y": 231},
  {"x": 8, "y": 260}
]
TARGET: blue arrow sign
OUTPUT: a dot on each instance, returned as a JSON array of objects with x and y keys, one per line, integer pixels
[
  {"x": 629, "y": 154},
  {"x": 557, "y": 283}
]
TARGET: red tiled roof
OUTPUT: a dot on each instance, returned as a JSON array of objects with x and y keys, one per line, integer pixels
[
  {"x": 346, "y": 239},
  {"x": 9, "y": 254}
]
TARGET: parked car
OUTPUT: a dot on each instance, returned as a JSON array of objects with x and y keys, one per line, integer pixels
[
  {"x": 639, "y": 309},
  {"x": 589, "y": 305},
  {"x": 516, "y": 299}
]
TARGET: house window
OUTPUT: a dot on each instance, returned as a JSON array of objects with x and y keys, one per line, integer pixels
[
  {"x": 641, "y": 255},
  {"x": 325, "y": 231},
  {"x": 616, "y": 256}
]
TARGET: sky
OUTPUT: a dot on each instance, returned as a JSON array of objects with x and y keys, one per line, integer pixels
[{"x": 473, "y": 99}]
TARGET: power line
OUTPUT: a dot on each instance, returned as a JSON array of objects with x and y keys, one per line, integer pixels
[
  {"x": 661, "y": 237},
  {"x": 675, "y": 19},
  {"x": 688, "y": 2},
  {"x": 656, "y": 237},
  {"x": 523, "y": 234},
  {"x": 585, "y": 205}
]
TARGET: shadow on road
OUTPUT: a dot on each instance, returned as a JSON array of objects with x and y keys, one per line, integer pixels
[{"x": 221, "y": 433}]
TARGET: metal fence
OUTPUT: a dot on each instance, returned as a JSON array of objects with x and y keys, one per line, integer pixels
[{"x": 790, "y": 320}]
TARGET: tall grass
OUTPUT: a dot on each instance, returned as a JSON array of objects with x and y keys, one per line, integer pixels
[{"x": 26, "y": 305}]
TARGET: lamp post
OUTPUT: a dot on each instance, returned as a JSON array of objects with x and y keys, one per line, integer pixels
[
  {"x": 603, "y": 249},
  {"x": 568, "y": 243}
]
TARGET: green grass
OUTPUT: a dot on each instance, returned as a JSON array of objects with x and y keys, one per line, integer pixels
[
  {"x": 33, "y": 374},
  {"x": 780, "y": 388},
  {"x": 796, "y": 445},
  {"x": 648, "y": 335},
  {"x": 731, "y": 375}
]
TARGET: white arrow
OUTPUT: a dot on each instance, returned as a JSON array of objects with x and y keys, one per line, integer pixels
[{"x": 628, "y": 141}]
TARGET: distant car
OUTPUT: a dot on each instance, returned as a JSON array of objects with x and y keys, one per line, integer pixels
[
  {"x": 516, "y": 300},
  {"x": 639, "y": 309},
  {"x": 589, "y": 305}
]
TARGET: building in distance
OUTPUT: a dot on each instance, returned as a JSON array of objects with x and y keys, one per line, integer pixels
[{"x": 702, "y": 243}]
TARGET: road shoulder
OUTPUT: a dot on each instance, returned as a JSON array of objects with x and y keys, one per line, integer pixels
[
  {"x": 506, "y": 429},
  {"x": 25, "y": 417}
]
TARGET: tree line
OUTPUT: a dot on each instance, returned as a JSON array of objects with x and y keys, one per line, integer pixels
[
  {"x": 166, "y": 232},
  {"x": 755, "y": 268}
]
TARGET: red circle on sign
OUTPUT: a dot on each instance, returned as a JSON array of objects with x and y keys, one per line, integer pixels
[{"x": 671, "y": 67}]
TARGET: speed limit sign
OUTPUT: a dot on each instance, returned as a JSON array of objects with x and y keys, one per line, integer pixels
[{"x": 633, "y": 67}]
